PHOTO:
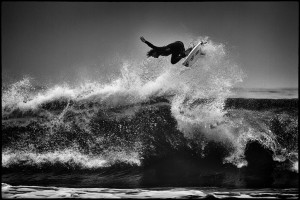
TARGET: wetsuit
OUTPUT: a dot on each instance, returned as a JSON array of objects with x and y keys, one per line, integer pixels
[{"x": 176, "y": 49}]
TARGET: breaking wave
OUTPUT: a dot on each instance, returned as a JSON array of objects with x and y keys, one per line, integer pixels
[{"x": 150, "y": 111}]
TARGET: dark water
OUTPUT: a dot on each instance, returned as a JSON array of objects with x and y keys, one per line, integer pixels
[{"x": 146, "y": 149}]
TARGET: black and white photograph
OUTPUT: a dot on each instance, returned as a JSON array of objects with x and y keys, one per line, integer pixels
[{"x": 142, "y": 100}]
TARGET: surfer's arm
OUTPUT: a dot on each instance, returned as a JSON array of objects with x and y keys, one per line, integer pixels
[
  {"x": 148, "y": 43},
  {"x": 151, "y": 45},
  {"x": 186, "y": 53}
]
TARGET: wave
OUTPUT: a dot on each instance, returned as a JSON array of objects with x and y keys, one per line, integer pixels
[{"x": 153, "y": 112}]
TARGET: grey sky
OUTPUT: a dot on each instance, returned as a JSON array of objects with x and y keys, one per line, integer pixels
[{"x": 61, "y": 40}]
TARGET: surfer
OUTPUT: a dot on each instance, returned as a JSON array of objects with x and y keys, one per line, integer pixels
[{"x": 176, "y": 49}]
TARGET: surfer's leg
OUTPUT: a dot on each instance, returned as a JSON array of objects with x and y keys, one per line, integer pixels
[{"x": 175, "y": 58}]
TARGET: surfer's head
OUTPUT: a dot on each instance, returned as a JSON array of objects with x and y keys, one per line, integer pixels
[{"x": 153, "y": 53}]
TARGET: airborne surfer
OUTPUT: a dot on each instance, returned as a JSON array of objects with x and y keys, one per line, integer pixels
[{"x": 176, "y": 49}]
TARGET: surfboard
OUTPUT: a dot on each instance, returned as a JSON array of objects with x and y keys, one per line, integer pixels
[{"x": 193, "y": 56}]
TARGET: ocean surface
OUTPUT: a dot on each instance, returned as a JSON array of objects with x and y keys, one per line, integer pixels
[
  {"x": 265, "y": 93},
  {"x": 152, "y": 132}
]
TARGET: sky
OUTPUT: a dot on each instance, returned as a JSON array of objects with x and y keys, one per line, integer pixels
[{"x": 59, "y": 41}]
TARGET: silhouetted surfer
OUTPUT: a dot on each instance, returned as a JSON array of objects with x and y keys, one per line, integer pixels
[{"x": 176, "y": 49}]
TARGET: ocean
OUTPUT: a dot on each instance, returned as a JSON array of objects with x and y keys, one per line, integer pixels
[{"x": 151, "y": 132}]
